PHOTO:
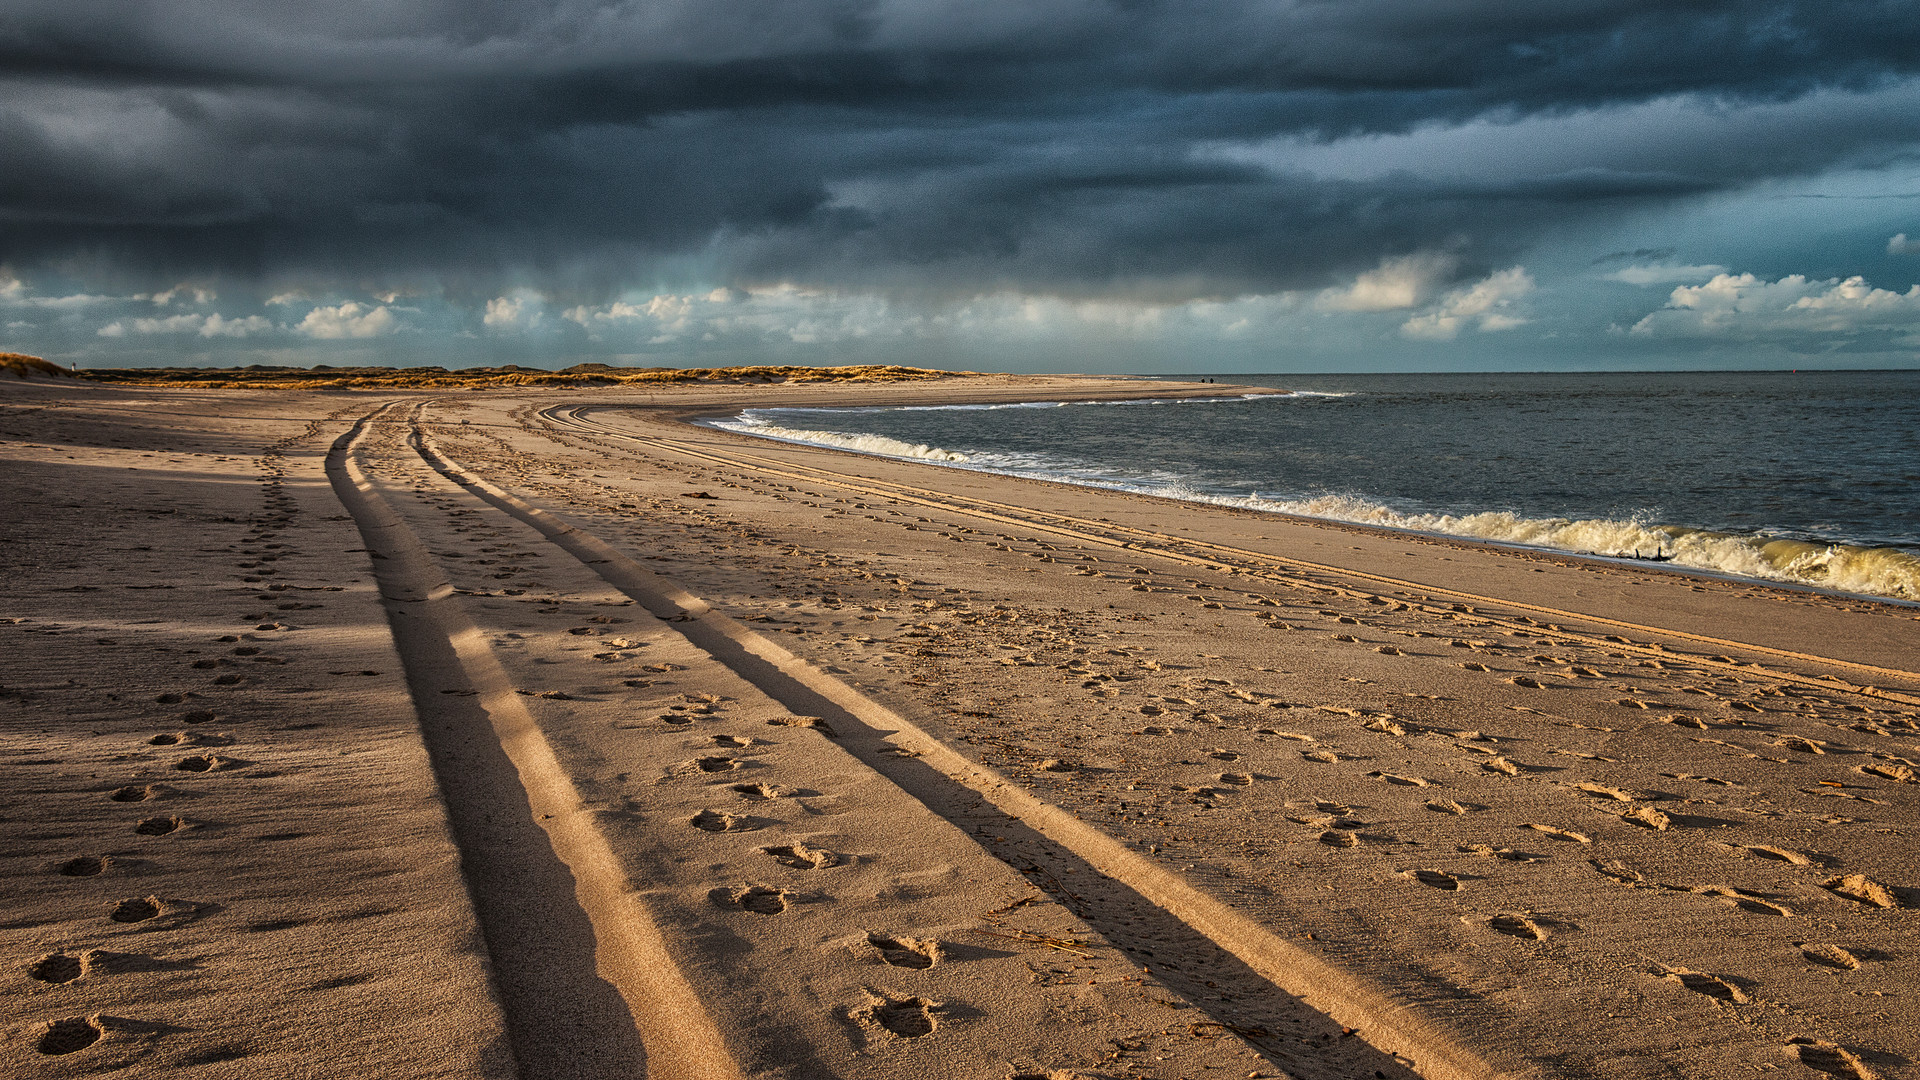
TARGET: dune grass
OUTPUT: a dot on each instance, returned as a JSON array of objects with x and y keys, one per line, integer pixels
[
  {"x": 15, "y": 365},
  {"x": 264, "y": 377}
]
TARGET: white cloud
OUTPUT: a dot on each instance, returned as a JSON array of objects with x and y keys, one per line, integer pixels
[
  {"x": 11, "y": 287},
  {"x": 66, "y": 303},
  {"x": 348, "y": 320},
  {"x": 1739, "y": 305},
  {"x": 200, "y": 294},
  {"x": 295, "y": 297},
  {"x": 1399, "y": 282},
  {"x": 1900, "y": 245},
  {"x": 521, "y": 310},
  {"x": 1490, "y": 301},
  {"x": 207, "y": 326},
  {"x": 1664, "y": 275},
  {"x": 219, "y": 326}
]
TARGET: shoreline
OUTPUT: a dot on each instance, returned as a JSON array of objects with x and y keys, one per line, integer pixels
[
  {"x": 1664, "y": 563},
  {"x": 1001, "y": 774}
]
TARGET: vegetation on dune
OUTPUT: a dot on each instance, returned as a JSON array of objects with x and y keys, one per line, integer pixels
[
  {"x": 265, "y": 377},
  {"x": 15, "y": 365}
]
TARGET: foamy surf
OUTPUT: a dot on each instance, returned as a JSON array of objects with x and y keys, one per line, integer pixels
[
  {"x": 1871, "y": 571},
  {"x": 747, "y": 424}
]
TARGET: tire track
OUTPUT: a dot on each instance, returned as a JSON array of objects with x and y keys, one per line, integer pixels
[
  {"x": 1400, "y": 1027},
  {"x": 1146, "y": 542},
  {"x": 585, "y": 980}
]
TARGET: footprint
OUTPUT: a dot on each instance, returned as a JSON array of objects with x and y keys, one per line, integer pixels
[
  {"x": 812, "y": 722},
  {"x": 1861, "y": 889},
  {"x": 67, "y": 1036},
  {"x": 136, "y": 909},
  {"x": 134, "y": 794},
  {"x": 204, "y": 763},
  {"x": 720, "y": 821},
  {"x": 1617, "y": 870},
  {"x": 1796, "y": 743},
  {"x": 1435, "y": 879},
  {"x": 1224, "y": 755},
  {"x": 906, "y": 952},
  {"x": 1500, "y": 765},
  {"x": 84, "y": 866},
  {"x": 159, "y": 826},
  {"x": 733, "y": 742},
  {"x": 1768, "y": 851},
  {"x": 908, "y": 1018},
  {"x": 1647, "y": 818},
  {"x": 1830, "y": 1058},
  {"x": 1517, "y": 926},
  {"x": 715, "y": 764},
  {"x": 1448, "y": 806},
  {"x": 801, "y": 857},
  {"x": 1890, "y": 772},
  {"x": 762, "y": 792},
  {"x": 759, "y": 899},
  {"x": 57, "y": 968},
  {"x": 1324, "y": 757},
  {"x": 1488, "y": 851},
  {"x": 1701, "y": 779},
  {"x": 1832, "y": 956},
  {"x": 1601, "y": 791},
  {"x": 1339, "y": 838},
  {"x": 1745, "y": 901},
  {"x": 1398, "y": 781},
  {"x": 1236, "y": 779},
  {"x": 1565, "y": 835},
  {"x": 1701, "y": 982}
]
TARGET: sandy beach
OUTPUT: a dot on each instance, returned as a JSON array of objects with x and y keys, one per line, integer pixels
[{"x": 536, "y": 732}]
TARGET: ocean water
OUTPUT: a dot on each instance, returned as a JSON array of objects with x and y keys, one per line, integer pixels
[{"x": 1810, "y": 478}]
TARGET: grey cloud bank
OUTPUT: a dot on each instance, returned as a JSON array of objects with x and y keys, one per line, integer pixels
[{"x": 1208, "y": 185}]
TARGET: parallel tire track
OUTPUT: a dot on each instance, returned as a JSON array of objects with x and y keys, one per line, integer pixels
[
  {"x": 1401, "y": 1027},
  {"x": 588, "y": 987}
]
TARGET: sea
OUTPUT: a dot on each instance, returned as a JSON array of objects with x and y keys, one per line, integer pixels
[{"x": 1809, "y": 478}]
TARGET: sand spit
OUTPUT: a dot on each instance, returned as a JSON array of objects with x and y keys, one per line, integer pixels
[{"x": 533, "y": 732}]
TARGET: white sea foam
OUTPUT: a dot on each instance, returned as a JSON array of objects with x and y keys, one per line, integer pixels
[
  {"x": 1873, "y": 571},
  {"x": 857, "y": 442}
]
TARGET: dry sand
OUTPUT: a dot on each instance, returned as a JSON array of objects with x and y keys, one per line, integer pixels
[{"x": 535, "y": 733}]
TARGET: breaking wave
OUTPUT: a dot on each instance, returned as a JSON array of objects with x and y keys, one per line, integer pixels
[
  {"x": 747, "y": 424},
  {"x": 1874, "y": 571}
]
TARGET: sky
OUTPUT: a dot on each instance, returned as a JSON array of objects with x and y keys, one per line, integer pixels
[{"x": 1018, "y": 185}]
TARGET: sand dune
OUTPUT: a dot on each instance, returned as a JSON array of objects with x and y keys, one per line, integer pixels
[{"x": 534, "y": 732}]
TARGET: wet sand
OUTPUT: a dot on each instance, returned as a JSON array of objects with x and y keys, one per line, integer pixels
[{"x": 538, "y": 733}]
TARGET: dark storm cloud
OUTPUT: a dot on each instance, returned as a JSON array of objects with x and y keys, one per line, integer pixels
[{"x": 1051, "y": 145}]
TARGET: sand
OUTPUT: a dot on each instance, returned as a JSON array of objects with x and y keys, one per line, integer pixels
[{"x": 534, "y": 732}]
